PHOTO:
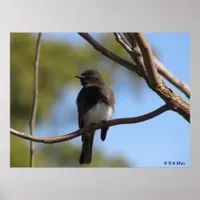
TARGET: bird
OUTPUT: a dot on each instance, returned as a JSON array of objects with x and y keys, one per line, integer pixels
[{"x": 95, "y": 104}]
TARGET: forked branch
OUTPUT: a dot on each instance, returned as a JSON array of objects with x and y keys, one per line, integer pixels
[
  {"x": 153, "y": 80},
  {"x": 153, "y": 76},
  {"x": 183, "y": 87}
]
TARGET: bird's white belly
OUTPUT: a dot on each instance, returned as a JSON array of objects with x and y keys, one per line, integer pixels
[{"x": 98, "y": 113}]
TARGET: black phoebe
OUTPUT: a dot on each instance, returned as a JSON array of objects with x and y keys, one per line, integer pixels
[{"x": 95, "y": 104}]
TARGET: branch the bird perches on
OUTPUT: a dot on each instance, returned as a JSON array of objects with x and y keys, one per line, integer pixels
[{"x": 87, "y": 129}]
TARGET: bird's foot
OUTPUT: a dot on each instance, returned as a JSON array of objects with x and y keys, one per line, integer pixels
[
  {"x": 104, "y": 122},
  {"x": 92, "y": 125}
]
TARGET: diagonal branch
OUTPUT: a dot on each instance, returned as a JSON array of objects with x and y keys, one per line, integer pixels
[
  {"x": 136, "y": 53},
  {"x": 172, "y": 99},
  {"x": 133, "y": 52},
  {"x": 171, "y": 78},
  {"x": 183, "y": 87},
  {"x": 143, "y": 56},
  {"x": 35, "y": 99},
  {"x": 108, "y": 53},
  {"x": 160, "y": 67},
  {"x": 119, "y": 39},
  {"x": 87, "y": 129},
  {"x": 147, "y": 55}
]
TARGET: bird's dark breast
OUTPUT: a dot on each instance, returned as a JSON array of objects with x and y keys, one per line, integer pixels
[{"x": 90, "y": 96}]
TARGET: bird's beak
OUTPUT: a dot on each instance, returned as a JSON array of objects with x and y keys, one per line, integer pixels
[{"x": 80, "y": 77}]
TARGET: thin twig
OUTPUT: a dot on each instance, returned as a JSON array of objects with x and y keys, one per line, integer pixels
[
  {"x": 35, "y": 100},
  {"x": 172, "y": 99},
  {"x": 108, "y": 53},
  {"x": 119, "y": 39},
  {"x": 162, "y": 70},
  {"x": 149, "y": 63},
  {"x": 134, "y": 52},
  {"x": 155, "y": 82},
  {"x": 171, "y": 78},
  {"x": 87, "y": 129}
]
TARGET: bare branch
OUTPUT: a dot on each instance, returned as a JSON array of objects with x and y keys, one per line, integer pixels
[
  {"x": 134, "y": 52},
  {"x": 35, "y": 99},
  {"x": 119, "y": 39},
  {"x": 183, "y": 87},
  {"x": 87, "y": 129},
  {"x": 147, "y": 55},
  {"x": 108, "y": 53},
  {"x": 136, "y": 55},
  {"x": 161, "y": 68},
  {"x": 172, "y": 99},
  {"x": 171, "y": 78}
]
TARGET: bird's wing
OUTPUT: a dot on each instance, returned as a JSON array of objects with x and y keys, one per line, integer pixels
[
  {"x": 108, "y": 93},
  {"x": 85, "y": 102}
]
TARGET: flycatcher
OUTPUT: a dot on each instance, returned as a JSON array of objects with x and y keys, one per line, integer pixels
[{"x": 95, "y": 104}]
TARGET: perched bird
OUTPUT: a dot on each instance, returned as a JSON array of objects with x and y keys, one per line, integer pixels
[{"x": 95, "y": 103}]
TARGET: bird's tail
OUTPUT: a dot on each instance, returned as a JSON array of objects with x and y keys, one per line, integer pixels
[{"x": 86, "y": 154}]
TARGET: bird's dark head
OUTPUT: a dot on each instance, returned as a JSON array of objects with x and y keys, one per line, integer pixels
[{"x": 90, "y": 76}]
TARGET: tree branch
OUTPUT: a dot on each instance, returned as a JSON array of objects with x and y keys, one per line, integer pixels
[
  {"x": 108, "y": 53},
  {"x": 35, "y": 99},
  {"x": 147, "y": 55},
  {"x": 161, "y": 68},
  {"x": 121, "y": 41},
  {"x": 133, "y": 52},
  {"x": 87, "y": 129},
  {"x": 172, "y": 99},
  {"x": 171, "y": 78}
]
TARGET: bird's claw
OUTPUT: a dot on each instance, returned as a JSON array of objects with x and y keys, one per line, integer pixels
[
  {"x": 104, "y": 122},
  {"x": 92, "y": 125}
]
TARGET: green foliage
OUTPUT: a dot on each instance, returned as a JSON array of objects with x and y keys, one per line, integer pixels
[{"x": 59, "y": 62}]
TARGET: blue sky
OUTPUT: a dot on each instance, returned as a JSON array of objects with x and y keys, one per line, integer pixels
[{"x": 150, "y": 143}]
